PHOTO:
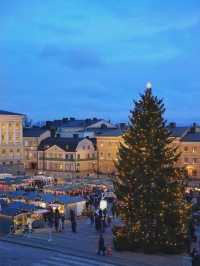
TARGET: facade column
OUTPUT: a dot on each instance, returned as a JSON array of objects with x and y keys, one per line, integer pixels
[
  {"x": 7, "y": 133},
  {"x": 14, "y": 132}
]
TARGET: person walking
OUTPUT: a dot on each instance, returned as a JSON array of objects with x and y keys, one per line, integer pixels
[
  {"x": 92, "y": 218},
  {"x": 50, "y": 223},
  {"x": 63, "y": 222},
  {"x": 56, "y": 221},
  {"x": 101, "y": 245},
  {"x": 73, "y": 221},
  {"x": 97, "y": 222},
  {"x": 29, "y": 225},
  {"x": 109, "y": 220},
  {"x": 60, "y": 224}
]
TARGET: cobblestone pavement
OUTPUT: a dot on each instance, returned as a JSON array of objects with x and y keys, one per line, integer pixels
[{"x": 84, "y": 244}]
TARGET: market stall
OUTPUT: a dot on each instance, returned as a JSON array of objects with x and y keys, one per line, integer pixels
[{"x": 14, "y": 215}]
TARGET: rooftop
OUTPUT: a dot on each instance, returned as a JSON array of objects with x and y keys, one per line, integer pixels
[
  {"x": 191, "y": 137},
  {"x": 33, "y": 132},
  {"x": 107, "y": 132},
  {"x": 67, "y": 144},
  {"x": 2, "y": 112},
  {"x": 72, "y": 122},
  {"x": 178, "y": 132}
]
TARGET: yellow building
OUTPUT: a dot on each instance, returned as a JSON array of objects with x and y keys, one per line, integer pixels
[
  {"x": 188, "y": 142},
  {"x": 67, "y": 155},
  {"x": 11, "y": 142},
  {"x": 108, "y": 142},
  {"x": 32, "y": 139},
  {"x": 187, "y": 139},
  {"x": 190, "y": 152}
]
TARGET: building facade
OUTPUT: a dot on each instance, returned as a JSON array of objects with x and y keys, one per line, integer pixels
[
  {"x": 32, "y": 138},
  {"x": 11, "y": 142},
  {"x": 190, "y": 152},
  {"x": 187, "y": 139},
  {"x": 69, "y": 155},
  {"x": 107, "y": 146}
]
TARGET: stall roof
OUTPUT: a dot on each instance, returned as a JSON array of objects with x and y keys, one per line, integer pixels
[
  {"x": 16, "y": 208},
  {"x": 17, "y": 193},
  {"x": 33, "y": 195},
  {"x": 64, "y": 199},
  {"x": 48, "y": 197}
]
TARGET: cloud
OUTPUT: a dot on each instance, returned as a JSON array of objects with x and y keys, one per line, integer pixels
[{"x": 75, "y": 58}]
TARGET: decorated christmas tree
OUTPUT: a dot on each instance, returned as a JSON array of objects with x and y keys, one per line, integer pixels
[{"x": 149, "y": 184}]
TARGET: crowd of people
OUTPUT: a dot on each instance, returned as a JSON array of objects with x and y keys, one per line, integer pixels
[{"x": 100, "y": 218}]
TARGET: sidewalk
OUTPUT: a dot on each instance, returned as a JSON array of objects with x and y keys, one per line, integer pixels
[{"x": 84, "y": 243}]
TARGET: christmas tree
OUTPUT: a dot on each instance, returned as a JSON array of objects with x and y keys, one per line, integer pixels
[{"x": 149, "y": 184}]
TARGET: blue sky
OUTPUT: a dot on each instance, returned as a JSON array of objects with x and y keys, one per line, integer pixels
[{"x": 88, "y": 58}]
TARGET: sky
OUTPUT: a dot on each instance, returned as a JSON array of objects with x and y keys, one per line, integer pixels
[{"x": 83, "y": 58}]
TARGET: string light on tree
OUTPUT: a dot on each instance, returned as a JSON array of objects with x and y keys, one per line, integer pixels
[{"x": 148, "y": 182}]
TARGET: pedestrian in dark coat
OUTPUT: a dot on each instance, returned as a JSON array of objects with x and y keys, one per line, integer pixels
[
  {"x": 74, "y": 225},
  {"x": 63, "y": 221},
  {"x": 101, "y": 246},
  {"x": 57, "y": 217},
  {"x": 109, "y": 220},
  {"x": 91, "y": 218},
  {"x": 73, "y": 221}
]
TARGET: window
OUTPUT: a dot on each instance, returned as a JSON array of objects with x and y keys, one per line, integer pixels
[
  {"x": 78, "y": 156},
  {"x": 109, "y": 155},
  {"x": 71, "y": 157},
  {"x": 83, "y": 147},
  {"x": 88, "y": 156},
  {"x": 3, "y": 151},
  {"x": 194, "y": 172},
  {"x": 88, "y": 147},
  {"x": 194, "y": 160},
  {"x": 11, "y": 162},
  {"x": 26, "y": 143},
  {"x": 185, "y": 148},
  {"x": 194, "y": 149},
  {"x": 186, "y": 160},
  {"x": 101, "y": 153},
  {"x": 66, "y": 157}
]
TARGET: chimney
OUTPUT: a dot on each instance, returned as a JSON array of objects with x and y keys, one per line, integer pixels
[
  {"x": 65, "y": 119},
  {"x": 172, "y": 125},
  {"x": 193, "y": 128}
]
